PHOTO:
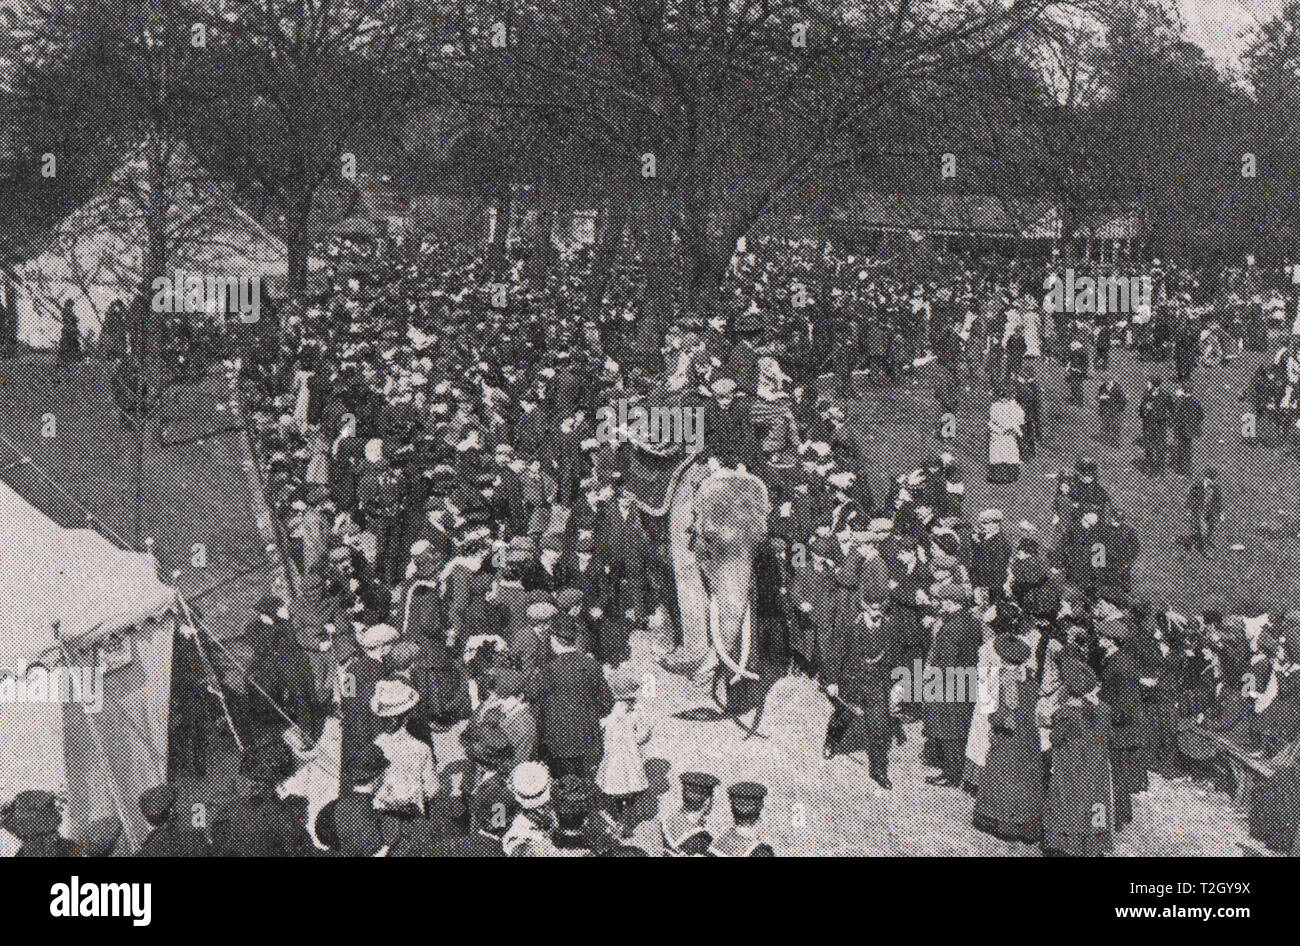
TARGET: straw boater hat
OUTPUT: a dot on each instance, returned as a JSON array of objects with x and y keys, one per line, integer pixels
[
  {"x": 393, "y": 698},
  {"x": 377, "y": 636},
  {"x": 531, "y": 784}
]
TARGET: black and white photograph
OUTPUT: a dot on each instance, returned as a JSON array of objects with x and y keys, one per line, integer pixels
[{"x": 651, "y": 428}]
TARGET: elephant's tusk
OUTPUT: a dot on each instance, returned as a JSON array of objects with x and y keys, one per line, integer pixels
[{"x": 715, "y": 623}]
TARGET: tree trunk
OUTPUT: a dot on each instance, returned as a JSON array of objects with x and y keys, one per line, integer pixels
[
  {"x": 659, "y": 258},
  {"x": 504, "y": 205},
  {"x": 299, "y": 246},
  {"x": 609, "y": 240}
]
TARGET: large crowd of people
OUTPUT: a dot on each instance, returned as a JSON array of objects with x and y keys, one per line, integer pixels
[{"x": 470, "y": 555}]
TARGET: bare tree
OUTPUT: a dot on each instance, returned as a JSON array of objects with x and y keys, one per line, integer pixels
[
  {"x": 718, "y": 109},
  {"x": 310, "y": 80},
  {"x": 129, "y": 77}
]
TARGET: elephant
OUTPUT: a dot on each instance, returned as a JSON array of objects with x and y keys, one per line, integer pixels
[{"x": 717, "y": 519}]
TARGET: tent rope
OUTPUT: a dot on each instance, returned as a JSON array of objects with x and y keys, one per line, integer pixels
[
  {"x": 91, "y": 519},
  {"x": 211, "y": 671}
]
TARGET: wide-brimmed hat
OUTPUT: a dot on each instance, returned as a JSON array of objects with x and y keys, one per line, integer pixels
[
  {"x": 376, "y": 636},
  {"x": 393, "y": 698},
  {"x": 368, "y": 766},
  {"x": 1012, "y": 649},
  {"x": 540, "y": 612},
  {"x": 1077, "y": 676},
  {"x": 488, "y": 746},
  {"x": 531, "y": 784}
]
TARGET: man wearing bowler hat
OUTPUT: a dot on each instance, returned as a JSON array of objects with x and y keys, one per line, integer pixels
[{"x": 571, "y": 695}]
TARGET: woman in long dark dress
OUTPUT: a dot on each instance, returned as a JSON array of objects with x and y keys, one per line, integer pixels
[
  {"x": 1078, "y": 816},
  {"x": 1009, "y": 803}
]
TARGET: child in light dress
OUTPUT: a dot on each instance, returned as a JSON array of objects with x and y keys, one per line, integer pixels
[{"x": 621, "y": 775}]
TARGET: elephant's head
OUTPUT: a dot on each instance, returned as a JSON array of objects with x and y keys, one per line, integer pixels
[{"x": 731, "y": 521}]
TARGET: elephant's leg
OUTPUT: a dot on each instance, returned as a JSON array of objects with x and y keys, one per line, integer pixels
[
  {"x": 751, "y": 696},
  {"x": 692, "y": 599}
]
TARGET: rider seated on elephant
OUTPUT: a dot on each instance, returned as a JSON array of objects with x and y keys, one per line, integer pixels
[
  {"x": 774, "y": 422},
  {"x": 729, "y": 427}
]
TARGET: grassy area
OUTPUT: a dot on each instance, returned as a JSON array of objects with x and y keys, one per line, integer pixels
[
  {"x": 1260, "y": 487},
  {"x": 193, "y": 493}
]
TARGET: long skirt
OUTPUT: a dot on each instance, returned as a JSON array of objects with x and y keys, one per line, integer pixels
[
  {"x": 1130, "y": 770},
  {"x": 1275, "y": 804},
  {"x": 1129, "y": 774},
  {"x": 1010, "y": 799}
]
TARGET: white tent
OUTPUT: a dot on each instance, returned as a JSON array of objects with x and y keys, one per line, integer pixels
[
  {"x": 69, "y": 598},
  {"x": 96, "y": 255}
]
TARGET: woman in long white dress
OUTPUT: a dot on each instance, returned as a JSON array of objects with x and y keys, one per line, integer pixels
[
  {"x": 1006, "y": 425},
  {"x": 989, "y": 693}
]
